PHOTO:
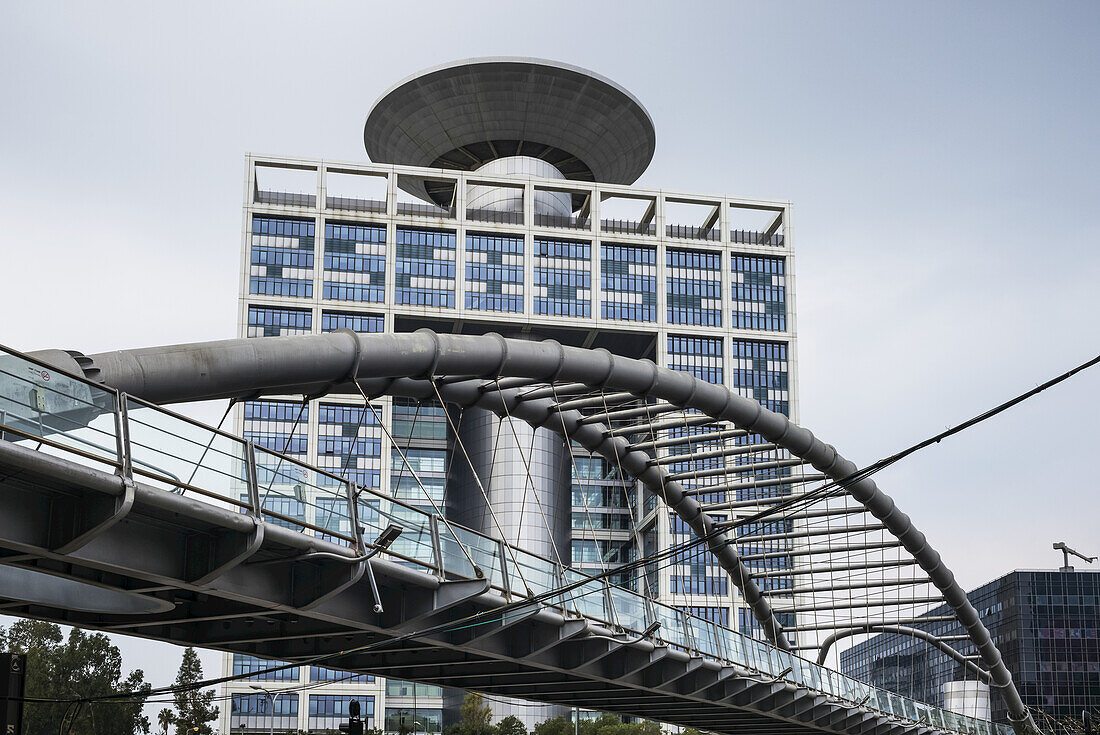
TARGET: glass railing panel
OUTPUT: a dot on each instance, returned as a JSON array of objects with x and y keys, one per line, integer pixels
[
  {"x": 485, "y": 552},
  {"x": 70, "y": 417},
  {"x": 587, "y": 598},
  {"x": 291, "y": 495},
  {"x": 172, "y": 453},
  {"x": 705, "y": 634},
  {"x": 540, "y": 575},
  {"x": 415, "y": 542},
  {"x": 630, "y": 609},
  {"x": 737, "y": 648},
  {"x": 672, "y": 627}
]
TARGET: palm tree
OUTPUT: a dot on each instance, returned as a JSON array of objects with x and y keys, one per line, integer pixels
[{"x": 165, "y": 718}]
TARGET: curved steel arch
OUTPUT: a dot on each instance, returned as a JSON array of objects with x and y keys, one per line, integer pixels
[{"x": 387, "y": 363}]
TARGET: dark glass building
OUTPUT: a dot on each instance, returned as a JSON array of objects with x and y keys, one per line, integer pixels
[{"x": 1046, "y": 625}]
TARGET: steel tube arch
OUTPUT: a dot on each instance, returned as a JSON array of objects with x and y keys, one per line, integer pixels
[
  {"x": 313, "y": 364},
  {"x": 905, "y": 630}
]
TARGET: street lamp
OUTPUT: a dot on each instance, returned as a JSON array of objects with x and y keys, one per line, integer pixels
[{"x": 271, "y": 694}]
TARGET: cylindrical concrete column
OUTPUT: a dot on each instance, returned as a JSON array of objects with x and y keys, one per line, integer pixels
[
  {"x": 510, "y": 199},
  {"x": 533, "y": 512},
  {"x": 970, "y": 698}
]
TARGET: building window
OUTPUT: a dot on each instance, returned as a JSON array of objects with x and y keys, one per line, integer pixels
[
  {"x": 759, "y": 291},
  {"x": 695, "y": 571},
  {"x": 700, "y": 356},
  {"x": 328, "y": 711},
  {"x": 355, "y": 263},
  {"x": 333, "y": 320},
  {"x": 717, "y": 615},
  {"x": 399, "y": 688},
  {"x": 563, "y": 278},
  {"x": 272, "y": 321},
  {"x": 252, "y": 713},
  {"x": 321, "y": 673},
  {"x": 349, "y": 442},
  {"x": 760, "y": 371},
  {"x": 413, "y": 720},
  {"x": 628, "y": 282},
  {"x": 281, "y": 262},
  {"x": 494, "y": 273},
  {"x": 425, "y": 268},
  {"x": 244, "y": 664},
  {"x": 694, "y": 287}
]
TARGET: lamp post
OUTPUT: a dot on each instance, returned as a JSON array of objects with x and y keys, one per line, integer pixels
[{"x": 271, "y": 695}]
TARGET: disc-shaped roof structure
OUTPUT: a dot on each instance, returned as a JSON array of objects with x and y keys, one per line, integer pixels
[{"x": 464, "y": 114}]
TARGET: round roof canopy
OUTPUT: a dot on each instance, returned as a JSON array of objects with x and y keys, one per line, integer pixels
[{"x": 464, "y": 114}]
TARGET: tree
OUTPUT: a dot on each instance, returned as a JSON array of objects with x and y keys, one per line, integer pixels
[
  {"x": 165, "y": 718},
  {"x": 87, "y": 665},
  {"x": 554, "y": 726},
  {"x": 194, "y": 707},
  {"x": 475, "y": 717},
  {"x": 511, "y": 725}
]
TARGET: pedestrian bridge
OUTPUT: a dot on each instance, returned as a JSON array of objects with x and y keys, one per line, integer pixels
[{"x": 123, "y": 516}]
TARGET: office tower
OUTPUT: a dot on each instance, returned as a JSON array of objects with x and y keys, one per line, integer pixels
[
  {"x": 1047, "y": 627},
  {"x": 500, "y": 198}
]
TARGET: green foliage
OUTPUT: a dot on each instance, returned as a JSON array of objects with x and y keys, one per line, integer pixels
[
  {"x": 511, "y": 725},
  {"x": 555, "y": 726},
  {"x": 194, "y": 707},
  {"x": 165, "y": 718},
  {"x": 86, "y": 665},
  {"x": 605, "y": 724},
  {"x": 475, "y": 717},
  {"x": 691, "y": 731}
]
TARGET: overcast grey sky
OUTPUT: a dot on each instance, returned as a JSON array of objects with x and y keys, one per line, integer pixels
[{"x": 941, "y": 158}]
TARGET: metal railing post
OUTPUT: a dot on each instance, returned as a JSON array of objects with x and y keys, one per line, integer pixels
[
  {"x": 689, "y": 634},
  {"x": 122, "y": 438},
  {"x": 437, "y": 547},
  {"x": 609, "y": 605},
  {"x": 353, "y": 516},
  {"x": 505, "y": 582},
  {"x": 253, "y": 481}
]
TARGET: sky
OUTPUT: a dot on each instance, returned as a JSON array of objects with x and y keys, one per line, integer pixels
[{"x": 941, "y": 158}]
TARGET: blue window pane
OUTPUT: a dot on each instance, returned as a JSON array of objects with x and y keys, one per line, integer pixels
[
  {"x": 494, "y": 273},
  {"x": 628, "y": 279},
  {"x": 425, "y": 268},
  {"x": 281, "y": 258},
  {"x": 563, "y": 278},
  {"x": 694, "y": 287},
  {"x": 333, "y": 320},
  {"x": 355, "y": 263},
  {"x": 759, "y": 291},
  {"x": 272, "y": 321},
  {"x": 700, "y": 356}
]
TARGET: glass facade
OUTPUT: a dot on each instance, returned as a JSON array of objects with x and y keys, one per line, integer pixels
[
  {"x": 563, "y": 277},
  {"x": 244, "y": 664},
  {"x": 700, "y": 356},
  {"x": 281, "y": 262},
  {"x": 628, "y": 282},
  {"x": 253, "y": 712},
  {"x": 695, "y": 571},
  {"x": 1047, "y": 627},
  {"x": 403, "y": 720},
  {"x": 694, "y": 287},
  {"x": 274, "y": 321},
  {"x": 355, "y": 263},
  {"x": 328, "y": 711},
  {"x": 425, "y": 265},
  {"x": 759, "y": 292},
  {"x": 333, "y": 320},
  {"x": 494, "y": 273},
  {"x": 759, "y": 370},
  {"x": 349, "y": 442},
  {"x": 320, "y": 673}
]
